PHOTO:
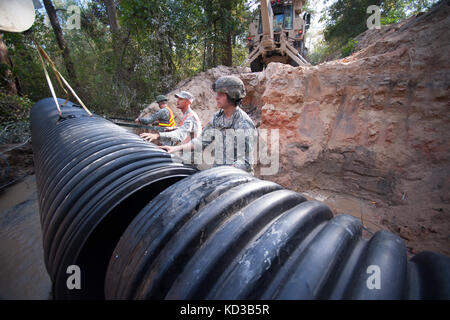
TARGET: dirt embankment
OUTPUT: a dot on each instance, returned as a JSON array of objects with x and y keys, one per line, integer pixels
[
  {"x": 375, "y": 127},
  {"x": 368, "y": 134}
]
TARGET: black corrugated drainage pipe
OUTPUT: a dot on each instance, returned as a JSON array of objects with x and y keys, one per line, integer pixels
[
  {"x": 93, "y": 177},
  {"x": 140, "y": 225},
  {"x": 223, "y": 234}
]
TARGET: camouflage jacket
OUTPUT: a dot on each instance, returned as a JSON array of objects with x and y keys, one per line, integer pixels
[
  {"x": 234, "y": 139},
  {"x": 188, "y": 128},
  {"x": 162, "y": 115}
]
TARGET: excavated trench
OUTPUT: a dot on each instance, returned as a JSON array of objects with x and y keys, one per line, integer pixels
[
  {"x": 142, "y": 225},
  {"x": 366, "y": 135}
]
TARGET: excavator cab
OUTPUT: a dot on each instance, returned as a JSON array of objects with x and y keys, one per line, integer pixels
[
  {"x": 278, "y": 34},
  {"x": 282, "y": 17}
]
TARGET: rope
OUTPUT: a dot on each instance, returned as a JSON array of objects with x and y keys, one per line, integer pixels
[
  {"x": 49, "y": 82},
  {"x": 45, "y": 55},
  {"x": 60, "y": 79}
]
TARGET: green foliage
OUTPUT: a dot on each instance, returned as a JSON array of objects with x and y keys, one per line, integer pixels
[
  {"x": 348, "y": 48},
  {"x": 161, "y": 42},
  {"x": 309, "y": 7},
  {"x": 319, "y": 53},
  {"x": 14, "y": 108},
  {"x": 396, "y": 11},
  {"x": 14, "y": 131},
  {"x": 345, "y": 19},
  {"x": 26, "y": 65}
]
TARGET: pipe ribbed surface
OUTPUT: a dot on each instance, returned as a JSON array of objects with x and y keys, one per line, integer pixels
[
  {"x": 141, "y": 225},
  {"x": 223, "y": 234},
  {"x": 93, "y": 177}
]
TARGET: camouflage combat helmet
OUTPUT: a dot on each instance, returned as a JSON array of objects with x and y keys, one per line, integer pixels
[
  {"x": 161, "y": 98},
  {"x": 231, "y": 85}
]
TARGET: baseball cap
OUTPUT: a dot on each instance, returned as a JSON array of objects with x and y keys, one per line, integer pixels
[
  {"x": 185, "y": 95},
  {"x": 161, "y": 98}
]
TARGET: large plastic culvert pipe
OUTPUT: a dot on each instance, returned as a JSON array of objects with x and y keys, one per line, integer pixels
[
  {"x": 223, "y": 234},
  {"x": 93, "y": 177}
]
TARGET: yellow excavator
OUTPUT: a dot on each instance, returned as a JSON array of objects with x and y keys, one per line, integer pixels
[{"x": 278, "y": 34}]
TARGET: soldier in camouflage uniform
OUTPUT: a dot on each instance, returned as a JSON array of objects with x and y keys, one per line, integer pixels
[
  {"x": 231, "y": 128},
  {"x": 163, "y": 116},
  {"x": 190, "y": 126}
]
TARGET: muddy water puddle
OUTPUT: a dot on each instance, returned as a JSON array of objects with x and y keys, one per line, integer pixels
[{"x": 22, "y": 271}]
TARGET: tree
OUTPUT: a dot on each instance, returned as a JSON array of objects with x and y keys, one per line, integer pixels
[
  {"x": 61, "y": 41},
  {"x": 346, "y": 19},
  {"x": 11, "y": 81},
  {"x": 223, "y": 22},
  {"x": 113, "y": 24},
  {"x": 128, "y": 51}
]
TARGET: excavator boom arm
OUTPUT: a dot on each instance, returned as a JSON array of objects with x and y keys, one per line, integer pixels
[
  {"x": 278, "y": 35},
  {"x": 267, "y": 19}
]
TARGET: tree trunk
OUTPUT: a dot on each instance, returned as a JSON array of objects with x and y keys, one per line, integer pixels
[
  {"x": 227, "y": 47},
  {"x": 61, "y": 41},
  {"x": 204, "y": 55},
  {"x": 172, "y": 66},
  {"x": 113, "y": 24},
  {"x": 112, "y": 16},
  {"x": 228, "y": 51},
  {"x": 117, "y": 41},
  {"x": 6, "y": 67},
  {"x": 208, "y": 55},
  {"x": 215, "y": 46}
]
